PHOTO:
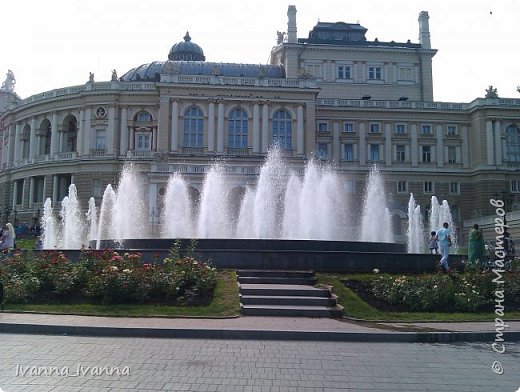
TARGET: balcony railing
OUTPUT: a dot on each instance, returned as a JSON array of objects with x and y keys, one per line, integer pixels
[
  {"x": 239, "y": 152},
  {"x": 193, "y": 150},
  {"x": 67, "y": 155},
  {"x": 97, "y": 153},
  {"x": 139, "y": 154}
]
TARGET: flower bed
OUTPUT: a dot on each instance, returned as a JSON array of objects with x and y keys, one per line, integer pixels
[
  {"x": 437, "y": 292},
  {"x": 106, "y": 277}
]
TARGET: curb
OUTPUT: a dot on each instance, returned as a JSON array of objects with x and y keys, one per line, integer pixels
[{"x": 251, "y": 334}]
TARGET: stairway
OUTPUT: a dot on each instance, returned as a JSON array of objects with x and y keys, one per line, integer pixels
[{"x": 285, "y": 293}]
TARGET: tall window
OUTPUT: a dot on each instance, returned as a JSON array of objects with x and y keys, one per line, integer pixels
[
  {"x": 454, "y": 188},
  {"x": 101, "y": 137},
  {"x": 193, "y": 127},
  {"x": 374, "y": 152},
  {"x": 323, "y": 150},
  {"x": 400, "y": 153},
  {"x": 375, "y": 128},
  {"x": 374, "y": 73},
  {"x": 348, "y": 152},
  {"x": 513, "y": 143},
  {"x": 143, "y": 141},
  {"x": 72, "y": 134},
  {"x": 400, "y": 129},
  {"x": 426, "y": 129},
  {"x": 343, "y": 72},
  {"x": 25, "y": 139},
  {"x": 48, "y": 138},
  {"x": 19, "y": 192},
  {"x": 426, "y": 153},
  {"x": 282, "y": 129},
  {"x": 38, "y": 189},
  {"x": 237, "y": 128},
  {"x": 402, "y": 186},
  {"x": 428, "y": 187},
  {"x": 348, "y": 127},
  {"x": 451, "y": 130},
  {"x": 452, "y": 154}
]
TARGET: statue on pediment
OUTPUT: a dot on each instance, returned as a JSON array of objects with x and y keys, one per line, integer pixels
[
  {"x": 9, "y": 82},
  {"x": 491, "y": 92}
]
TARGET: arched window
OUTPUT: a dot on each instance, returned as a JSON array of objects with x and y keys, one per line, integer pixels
[
  {"x": 193, "y": 127},
  {"x": 143, "y": 116},
  {"x": 237, "y": 129},
  {"x": 25, "y": 141},
  {"x": 282, "y": 129},
  {"x": 513, "y": 143},
  {"x": 72, "y": 134}
]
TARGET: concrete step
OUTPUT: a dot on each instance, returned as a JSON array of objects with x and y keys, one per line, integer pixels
[
  {"x": 291, "y": 311},
  {"x": 311, "y": 281},
  {"x": 282, "y": 290},
  {"x": 288, "y": 300},
  {"x": 275, "y": 273}
]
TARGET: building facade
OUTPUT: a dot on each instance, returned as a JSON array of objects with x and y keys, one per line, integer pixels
[{"x": 334, "y": 95}]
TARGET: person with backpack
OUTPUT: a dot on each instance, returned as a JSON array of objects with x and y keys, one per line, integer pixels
[{"x": 444, "y": 238}]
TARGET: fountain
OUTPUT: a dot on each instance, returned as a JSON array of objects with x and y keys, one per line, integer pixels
[
  {"x": 285, "y": 203},
  {"x": 376, "y": 223},
  {"x": 441, "y": 213},
  {"x": 415, "y": 233}
]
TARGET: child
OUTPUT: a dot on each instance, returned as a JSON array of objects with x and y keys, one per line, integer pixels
[{"x": 434, "y": 245}]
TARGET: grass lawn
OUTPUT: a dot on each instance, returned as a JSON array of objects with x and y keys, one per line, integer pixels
[
  {"x": 356, "y": 308},
  {"x": 225, "y": 303}
]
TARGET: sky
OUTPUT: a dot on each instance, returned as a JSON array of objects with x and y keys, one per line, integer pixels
[{"x": 56, "y": 43}]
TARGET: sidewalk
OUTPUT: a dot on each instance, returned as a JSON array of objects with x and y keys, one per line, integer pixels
[{"x": 249, "y": 327}]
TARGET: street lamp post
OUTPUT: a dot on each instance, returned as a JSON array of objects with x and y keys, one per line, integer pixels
[{"x": 7, "y": 212}]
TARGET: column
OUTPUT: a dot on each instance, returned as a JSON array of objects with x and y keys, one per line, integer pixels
[
  {"x": 388, "y": 144},
  {"x": 123, "y": 140},
  {"x": 12, "y": 138},
  {"x": 336, "y": 152},
  {"x": 87, "y": 139},
  {"x": 413, "y": 147},
  {"x": 15, "y": 194},
  {"x": 175, "y": 126},
  {"x": 220, "y": 127},
  {"x": 31, "y": 192},
  {"x": 211, "y": 126},
  {"x": 489, "y": 143},
  {"x": 111, "y": 131},
  {"x": 152, "y": 202},
  {"x": 164, "y": 114},
  {"x": 55, "y": 141},
  {"x": 498, "y": 143},
  {"x": 265, "y": 127},
  {"x": 300, "y": 137},
  {"x": 54, "y": 189},
  {"x": 154, "y": 139},
  {"x": 256, "y": 128},
  {"x": 362, "y": 144},
  {"x": 465, "y": 146},
  {"x": 81, "y": 134},
  {"x": 32, "y": 139},
  {"x": 440, "y": 147},
  {"x": 17, "y": 143}
]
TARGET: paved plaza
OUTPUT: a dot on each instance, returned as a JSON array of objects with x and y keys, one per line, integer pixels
[{"x": 74, "y": 363}]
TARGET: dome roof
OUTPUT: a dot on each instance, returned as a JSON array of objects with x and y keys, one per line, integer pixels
[
  {"x": 152, "y": 71},
  {"x": 186, "y": 50}
]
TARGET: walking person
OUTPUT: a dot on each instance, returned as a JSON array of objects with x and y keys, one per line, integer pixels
[
  {"x": 8, "y": 236},
  {"x": 433, "y": 243},
  {"x": 476, "y": 246},
  {"x": 444, "y": 238}
]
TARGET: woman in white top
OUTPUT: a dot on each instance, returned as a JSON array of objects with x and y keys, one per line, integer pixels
[{"x": 8, "y": 236}]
